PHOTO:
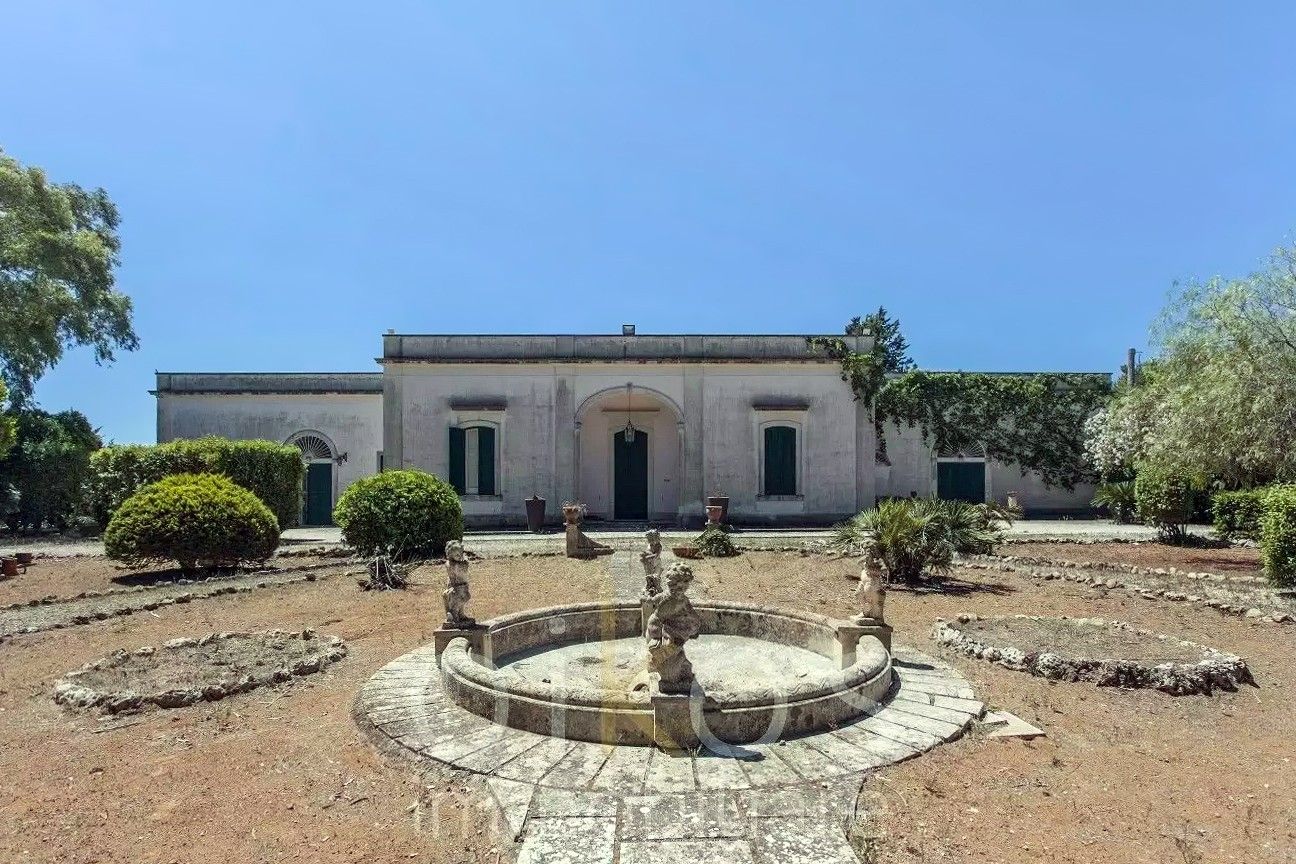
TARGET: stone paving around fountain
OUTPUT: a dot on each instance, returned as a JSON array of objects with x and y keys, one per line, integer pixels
[{"x": 582, "y": 803}]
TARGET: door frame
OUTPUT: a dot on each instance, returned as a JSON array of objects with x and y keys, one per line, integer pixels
[
  {"x": 332, "y": 459},
  {"x": 649, "y": 486},
  {"x": 333, "y": 482}
]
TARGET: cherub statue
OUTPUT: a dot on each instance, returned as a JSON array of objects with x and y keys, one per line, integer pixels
[
  {"x": 456, "y": 594},
  {"x": 672, "y": 623},
  {"x": 870, "y": 596},
  {"x": 651, "y": 560}
]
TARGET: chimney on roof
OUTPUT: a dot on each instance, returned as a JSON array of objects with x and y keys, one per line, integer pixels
[
  {"x": 627, "y": 329},
  {"x": 1131, "y": 358}
]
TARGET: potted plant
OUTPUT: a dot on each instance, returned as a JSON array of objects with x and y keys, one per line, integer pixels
[
  {"x": 535, "y": 513},
  {"x": 573, "y": 512}
]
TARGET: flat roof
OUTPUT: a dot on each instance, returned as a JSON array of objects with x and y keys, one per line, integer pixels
[
  {"x": 594, "y": 348},
  {"x": 267, "y": 382}
]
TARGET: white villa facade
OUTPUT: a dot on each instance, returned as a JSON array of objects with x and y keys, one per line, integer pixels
[{"x": 638, "y": 427}]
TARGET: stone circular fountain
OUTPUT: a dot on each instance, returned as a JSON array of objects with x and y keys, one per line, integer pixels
[{"x": 582, "y": 672}]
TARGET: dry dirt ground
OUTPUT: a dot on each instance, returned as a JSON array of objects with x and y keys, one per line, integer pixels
[
  {"x": 285, "y": 775},
  {"x": 1226, "y": 561}
]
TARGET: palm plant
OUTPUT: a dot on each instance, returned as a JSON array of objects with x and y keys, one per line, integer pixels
[
  {"x": 1118, "y": 499},
  {"x": 915, "y": 536}
]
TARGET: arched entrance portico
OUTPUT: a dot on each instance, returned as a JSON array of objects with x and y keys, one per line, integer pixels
[
  {"x": 319, "y": 484},
  {"x": 628, "y": 454}
]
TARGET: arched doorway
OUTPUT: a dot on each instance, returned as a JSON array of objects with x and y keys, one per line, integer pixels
[
  {"x": 318, "y": 455},
  {"x": 627, "y": 475}
]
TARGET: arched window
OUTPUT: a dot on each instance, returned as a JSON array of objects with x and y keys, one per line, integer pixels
[
  {"x": 474, "y": 458},
  {"x": 313, "y": 446}
]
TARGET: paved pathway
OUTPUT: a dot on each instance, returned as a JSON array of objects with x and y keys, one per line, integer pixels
[
  {"x": 791, "y": 802},
  {"x": 626, "y": 537}
]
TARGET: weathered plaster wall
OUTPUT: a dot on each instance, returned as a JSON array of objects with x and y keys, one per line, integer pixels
[
  {"x": 913, "y": 471},
  {"x": 543, "y": 453},
  {"x": 352, "y": 421}
]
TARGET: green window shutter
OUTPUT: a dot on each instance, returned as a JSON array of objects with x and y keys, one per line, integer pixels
[
  {"x": 485, "y": 460},
  {"x": 457, "y": 459},
  {"x": 780, "y": 460}
]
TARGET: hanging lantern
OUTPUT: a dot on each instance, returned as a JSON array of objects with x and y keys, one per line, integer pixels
[{"x": 629, "y": 431}]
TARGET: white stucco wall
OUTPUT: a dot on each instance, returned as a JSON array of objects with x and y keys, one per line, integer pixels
[
  {"x": 913, "y": 471},
  {"x": 352, "y": 422},
  {"x": 702, "y": 420}
]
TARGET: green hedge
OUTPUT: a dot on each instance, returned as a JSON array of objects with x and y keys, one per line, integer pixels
[
  {"x": 1237, "y": 514},
  {"x": 404, "y": 514},
  {"x": 1278, "y": 536},
  {"x": 1164, "y": 499},
  {"x": 197, "y": 520},
  {"x": 273, "y": 472}
]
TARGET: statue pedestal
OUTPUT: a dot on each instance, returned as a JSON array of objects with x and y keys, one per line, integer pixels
[
  {"x": 476, "y": 636},
  {"x": 849, "y": 633},
  {"x": 581, "y": 546},
  {"x": 673, "y": 729}
]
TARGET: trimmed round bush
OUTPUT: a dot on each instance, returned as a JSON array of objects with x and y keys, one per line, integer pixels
[
  {"x": 1278, "y": 536},
  {"x": 197, "y": 520},
  {"x": 404, "y": 514},
  {"x": 1237, "y": 514},
  {"x": 1164, "y": 499}
]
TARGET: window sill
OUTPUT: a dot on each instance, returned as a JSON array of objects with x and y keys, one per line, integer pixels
[{"x": 780, "y": 498}]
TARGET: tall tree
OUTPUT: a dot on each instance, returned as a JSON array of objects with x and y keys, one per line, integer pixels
[
  {"x": 48, "y": 467},
  {"x": 1222, "y": 404},
  {"x": 58, "y": 253}
]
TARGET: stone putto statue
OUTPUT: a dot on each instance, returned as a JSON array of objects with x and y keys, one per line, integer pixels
[
  {"x": 456, "y": 594},
  {"x": 651, "y": 560},
  {"x": 672, "y": 623},
  {"x": 870, "y": 596}
]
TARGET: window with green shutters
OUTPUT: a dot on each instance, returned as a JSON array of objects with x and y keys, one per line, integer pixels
[
  {"x": 472, "y": 460},
  {"x": 780, "y": 460}
]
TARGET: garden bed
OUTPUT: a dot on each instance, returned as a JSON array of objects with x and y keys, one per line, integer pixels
[
  {"x": 1228, "y": 561},
  {"x": 1109, "y": 653},
  {"x": 187, "y": 671}
]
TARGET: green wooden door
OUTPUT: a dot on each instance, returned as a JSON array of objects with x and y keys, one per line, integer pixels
[
  {"x": 961, "y": 481},
  {"x": 630, "y": 476},
  {"x": 318, "y": 506}
]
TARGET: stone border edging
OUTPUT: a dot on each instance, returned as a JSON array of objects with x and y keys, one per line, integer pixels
[
  {"x": 1053, "y": 570},
  {"x": 1131, "y": 569},
  {"x": 51, "y": 599},
  {"x": 1216, "y": 669},
  {"x": 76, "y": 696},
  {"x": 187, "y": 597}
]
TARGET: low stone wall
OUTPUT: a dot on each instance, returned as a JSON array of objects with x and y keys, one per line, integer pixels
[
  {"x": 313, "y": 653},
  {"x": 1215, "y": 669}
]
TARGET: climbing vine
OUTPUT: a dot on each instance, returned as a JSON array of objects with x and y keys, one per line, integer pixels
[{"x": 1034, "y": 421}]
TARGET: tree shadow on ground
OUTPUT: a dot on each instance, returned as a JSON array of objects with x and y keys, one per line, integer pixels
[
  {"x": 171, "y": 576},
  {"x": 952, "y": 586}
]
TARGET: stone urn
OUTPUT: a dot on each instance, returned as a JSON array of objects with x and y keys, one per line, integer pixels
[
  {"x": 535, "y": 513},
  {"x": 572, "y": 513},
  {"x": 721, "y": 501},
  {"x": 714, "y": 514}
]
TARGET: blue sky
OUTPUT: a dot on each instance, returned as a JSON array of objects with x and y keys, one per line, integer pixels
[{"x": 1021, "y": 183}]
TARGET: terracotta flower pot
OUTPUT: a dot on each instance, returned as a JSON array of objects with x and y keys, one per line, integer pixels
[
  {"x": 535, "y": 512},
  {"x": 714, "y": 514},
  {"x": 686, "y": 552},
  {"x": 721, "y": 501},
  {"x": 9, "y": 567},
  {"x": 572, "y": 514}
]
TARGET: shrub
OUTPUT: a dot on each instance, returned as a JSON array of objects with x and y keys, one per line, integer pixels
[
  {"x": 714, "y": 542},
  {"x": 909, "y": 537},
  {"x": 1278, "y": 536},
  {"x": 48, "y": 468},
  {"x": 1118, "y": 499},
  {"x": 1164, "y": 499},
  {"x": 1237, "y": 514},
  {"x": 195, "y": 519},
  {"x": 402, "y": 514},
  {"x": 273, "y": 472}
]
